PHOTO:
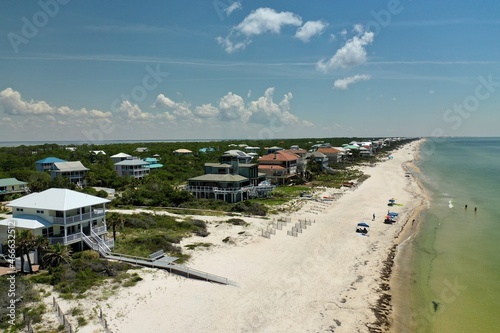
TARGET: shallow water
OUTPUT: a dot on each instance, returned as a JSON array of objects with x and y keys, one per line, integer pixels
[{"x": 455, "y": 277}]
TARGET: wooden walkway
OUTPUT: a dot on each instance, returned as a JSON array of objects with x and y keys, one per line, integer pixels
[
  {"x": 156, "y": 260},
  {"x": 165, "y": 263}
]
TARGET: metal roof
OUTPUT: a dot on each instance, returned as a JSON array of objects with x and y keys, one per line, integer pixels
[
  {"x": 26, "y": 222},
  {"x": 220, "y": 178},
  {"x": 70, "y": 166},
  {"x": 57, "y": 199},
  {"x": 11, "y": 182},
  {"x": 134, "y": 161},
  {"x": 121, "y": 155},
  {"x": 49, "y": 160}
]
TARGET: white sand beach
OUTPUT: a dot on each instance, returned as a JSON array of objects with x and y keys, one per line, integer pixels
[{"x": 328, "y": 278}]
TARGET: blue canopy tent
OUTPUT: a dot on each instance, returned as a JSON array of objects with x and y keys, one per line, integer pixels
[{"x": 361, "y": 227}]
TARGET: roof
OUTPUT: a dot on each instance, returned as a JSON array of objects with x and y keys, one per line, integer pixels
[
  {"x": 329, "y": 150},
  {"x": 57, "y": 199},
  {"x": 316, "y": 154},
  {"x": 11, "y": 182},
  {"x": 219, "y": 165},
  {"x": 26, "y": 222},
  {"x": 121, "y": 155},
  {"x": 134, "y": 161},
  {"x": 70, "y": 166},
  {"x": 182, "y": 151},
  {"x": 298, "y": 151},
  {"x": 49, "y": 160},
  {"x": 237, "y": 153},
  {"x": 281, "y": 155},
  {"x": 155, "y": 165},
  {"x": 220, "y": 178}
]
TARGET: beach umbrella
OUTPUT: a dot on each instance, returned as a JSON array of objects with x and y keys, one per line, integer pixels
[
  {"x": 393, "y": 214},
  {"x": 363, "y": 224},
  {"x": 392, "y": 200}
]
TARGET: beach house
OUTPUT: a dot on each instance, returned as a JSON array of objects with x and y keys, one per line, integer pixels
[
  {"x": 47, "y": 163},
  {"x": 334, "y": 155},
  {"x": 132, "y": 167},
  {"x": 12, "y": 185},
  {"x": 74, "y": 171},
  {"x": 120, "y": 157},
  {"x": 280, "y": 166},
  {"x": 61, "y": 215},
  {"x": 230, "y": 180}
]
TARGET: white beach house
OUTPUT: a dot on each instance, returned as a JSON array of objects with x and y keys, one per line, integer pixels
[{"x": 63, "y": 216}]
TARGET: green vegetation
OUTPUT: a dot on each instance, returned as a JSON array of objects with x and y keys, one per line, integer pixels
[
  {"x": 25, "y": 294},
  {"x": 195, "y": 245},
  {"x": 142, "y": 234}
]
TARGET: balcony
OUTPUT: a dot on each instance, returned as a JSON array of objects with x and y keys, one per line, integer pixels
[
  {"x": 76, "y": 237},
  {"x": 79, "y": 217}
]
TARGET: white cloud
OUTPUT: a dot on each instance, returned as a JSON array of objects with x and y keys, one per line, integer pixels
[
  {"x": 352, "y": 54},
  {"x": 231, "y": 47},
  {"x": 133, "y": 111},
  {"x": 344, "y": 83},
  {"x": 260, "y": 21},
  {"x": 264, "y": 110},
  {"x": 206, "y": 111},
  {"x": 264, "y": 20},
  {"x": 12, "y": 103},
  {"x": 310, "y": 29},
  {"x": 232, "y": 107},
  {"x": 232, "y": 7},
  {"x": 179, "y": 110}
]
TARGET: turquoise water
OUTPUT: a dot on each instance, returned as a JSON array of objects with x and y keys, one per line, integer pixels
[{"x": 456, "y": 266}]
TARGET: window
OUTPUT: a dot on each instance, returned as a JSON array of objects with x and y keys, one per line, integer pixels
[
  {"x": 20, "y": 209},
  {"x": 39, "y": 211}
]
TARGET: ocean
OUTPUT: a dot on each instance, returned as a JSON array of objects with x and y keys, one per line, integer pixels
[{"x": 454, "y": 280}]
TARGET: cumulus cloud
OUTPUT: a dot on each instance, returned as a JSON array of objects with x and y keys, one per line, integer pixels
[
  {"x": 206, "y": 111},
  {"x": 353, "y": 53},
  {"x": 267, "y": 20},
  {"x": 310, "y": 29},
  {"x": 13, "y": 104},
  {"x": 133, "y": 111},
  {"x": 343, "y": 84},
  {"x": 232, "y": 107},
  {"x": 232, "y": 7},
  {"x": 260, "y": 21},
  {"x": 179, "y": 110}
]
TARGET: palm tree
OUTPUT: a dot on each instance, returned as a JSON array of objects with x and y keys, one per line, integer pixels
[
  {"x": 25, "y": 242},
  {"x": 114, "y": 219},
  {"x": 41, "y": 245},
  {"x": 56, "y": 255}
]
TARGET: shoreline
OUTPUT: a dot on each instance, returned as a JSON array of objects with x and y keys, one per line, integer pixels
[{"x": 328, "y": 278}]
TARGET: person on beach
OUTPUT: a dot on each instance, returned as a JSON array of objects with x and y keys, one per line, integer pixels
[
  {"x": 465, "y": 206},
  {"x": 373, "y": 219},
  {"x": 475, "y": 209}
]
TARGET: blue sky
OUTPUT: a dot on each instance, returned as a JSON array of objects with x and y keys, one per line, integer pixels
[{"x": 114, "y": 70}]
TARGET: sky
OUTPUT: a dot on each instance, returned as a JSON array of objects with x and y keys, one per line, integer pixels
[{"x": 94, "y": 71}]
